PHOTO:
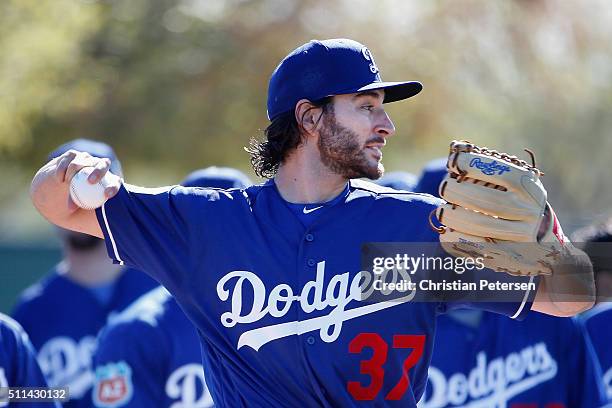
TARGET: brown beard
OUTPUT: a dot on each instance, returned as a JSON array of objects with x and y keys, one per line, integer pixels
[{"x": 342, "y": 154}]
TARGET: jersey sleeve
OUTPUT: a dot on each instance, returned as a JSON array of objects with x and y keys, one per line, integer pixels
[
  {"x": 151, "y": 229},
  {"x": 129, "y": 366}
]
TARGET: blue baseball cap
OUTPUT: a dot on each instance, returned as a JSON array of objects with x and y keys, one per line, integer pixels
[
  {"x": 398, "y": 180},
  {"x": 217, "y": 177},
  {"x": 319, "y": 69},
  {"x": 94, "y": 148},
  {"x": 432, "y": 175}
]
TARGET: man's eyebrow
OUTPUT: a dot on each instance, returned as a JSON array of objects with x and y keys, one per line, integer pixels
[{"x": 373, "y": 94}]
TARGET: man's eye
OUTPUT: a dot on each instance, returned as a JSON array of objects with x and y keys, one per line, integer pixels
[{"x": 368, "y": 107}]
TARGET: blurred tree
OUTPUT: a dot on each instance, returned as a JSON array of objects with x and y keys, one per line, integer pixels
[
  {"x": 40, "y": 58},
  {"x": 178, "y": 84}
]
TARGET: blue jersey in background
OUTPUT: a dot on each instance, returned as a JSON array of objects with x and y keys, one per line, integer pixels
[
  {"x": 63, "y": 318},
  {"x": 149, "y": 356},
  {"x": 18, "y": 365},
  {"x": 490, "y": 361},
  {"x": 597, "y": 323}
]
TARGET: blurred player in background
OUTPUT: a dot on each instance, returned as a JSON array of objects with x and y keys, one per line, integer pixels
[
  {"x": 595, "y": 241},
  {"x": 149, "y": 355},
  {"x": 431, "y": 176},
  {"x": 597, "y": 322},
  {"x": 18, "y": 365},
  {"x": 482, "y": 359},
  {"x": 399, "y": 180},
  {"x": 63, "y": 312},
  {"x": 217, "y": 177}
]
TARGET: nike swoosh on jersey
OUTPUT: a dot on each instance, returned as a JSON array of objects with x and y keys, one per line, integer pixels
[{"x": 305, "y": 211}]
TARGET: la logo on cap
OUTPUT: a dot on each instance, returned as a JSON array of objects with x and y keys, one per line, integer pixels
[{"x": 368, "y": 56}]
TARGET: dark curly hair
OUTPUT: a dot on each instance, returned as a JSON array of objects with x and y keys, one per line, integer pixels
[{"x": 282, "y": 136}]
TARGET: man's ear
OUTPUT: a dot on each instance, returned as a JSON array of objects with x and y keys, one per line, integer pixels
[{"x": 307, "y": 116}]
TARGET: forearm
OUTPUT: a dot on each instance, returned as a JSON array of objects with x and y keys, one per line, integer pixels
[
  {"x": 570, "y": 289},
  {"x": 50, "y": 195}
]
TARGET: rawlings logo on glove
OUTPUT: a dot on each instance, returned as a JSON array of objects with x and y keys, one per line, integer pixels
[
  {"x": 496, "y": 209},
  {"x": 489, "y": 168}
]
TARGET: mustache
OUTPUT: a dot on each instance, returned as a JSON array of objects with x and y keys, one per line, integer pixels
[{"x": 377, "y": 139}]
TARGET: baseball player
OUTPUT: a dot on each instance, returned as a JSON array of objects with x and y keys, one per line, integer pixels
[
  {"x": 18, "y": 365},
  {"x": 217, "y": 177},
  {"x": 598, "y": 329},
  {"x": 597, "y": 322},
  {"x": 431, "y": 176},
  {"x": 149, "y": 355},
  {"x": 271, "y": 275},
  {"x": 63, "y": 312},
  {"x": 485, "y": 360},
  {"x": 398, "y": 180}
]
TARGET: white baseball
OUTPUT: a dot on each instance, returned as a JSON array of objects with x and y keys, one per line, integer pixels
[{"x": 86, "y": 195}]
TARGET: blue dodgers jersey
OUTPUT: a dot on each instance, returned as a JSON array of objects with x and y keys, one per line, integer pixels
[
  {"x": 63, "y": 318},
  {"x": 597, "y": 324},
  {"x": 278, "y": 305},
  {"x": 149, "y": 356},
  {"x": 18, "y": 365},
  {"x": 541, "y": 362}
]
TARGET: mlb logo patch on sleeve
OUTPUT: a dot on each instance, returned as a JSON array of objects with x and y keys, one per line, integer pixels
[{"x": 113, "y": 385}]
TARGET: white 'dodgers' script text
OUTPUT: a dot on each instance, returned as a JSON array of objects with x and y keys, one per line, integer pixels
[{"x": 338, "y": 294}]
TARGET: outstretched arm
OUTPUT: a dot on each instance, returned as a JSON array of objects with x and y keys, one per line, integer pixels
[{"x": 50, "y": 191}]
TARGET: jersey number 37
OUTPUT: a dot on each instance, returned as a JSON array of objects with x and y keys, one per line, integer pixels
[{"x": 374, "y": 366}]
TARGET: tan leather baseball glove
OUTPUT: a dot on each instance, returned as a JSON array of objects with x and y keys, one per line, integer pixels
[{"x": 496, "y": 209}]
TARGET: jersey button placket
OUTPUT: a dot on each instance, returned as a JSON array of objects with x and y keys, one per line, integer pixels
[
  {"x": 308, "y": 238},
  {"x": 309, "y": 255}
]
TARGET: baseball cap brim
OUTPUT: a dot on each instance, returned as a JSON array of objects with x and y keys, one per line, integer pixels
[{"x": 394, "y": 91}]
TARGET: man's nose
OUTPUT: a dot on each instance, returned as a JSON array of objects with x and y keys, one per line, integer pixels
[{"x": 385, "y": 127}]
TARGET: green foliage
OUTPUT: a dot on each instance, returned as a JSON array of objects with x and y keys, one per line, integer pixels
[
  {"x": 175, "y": 85},
  {"x": 40, "y": 59}
]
